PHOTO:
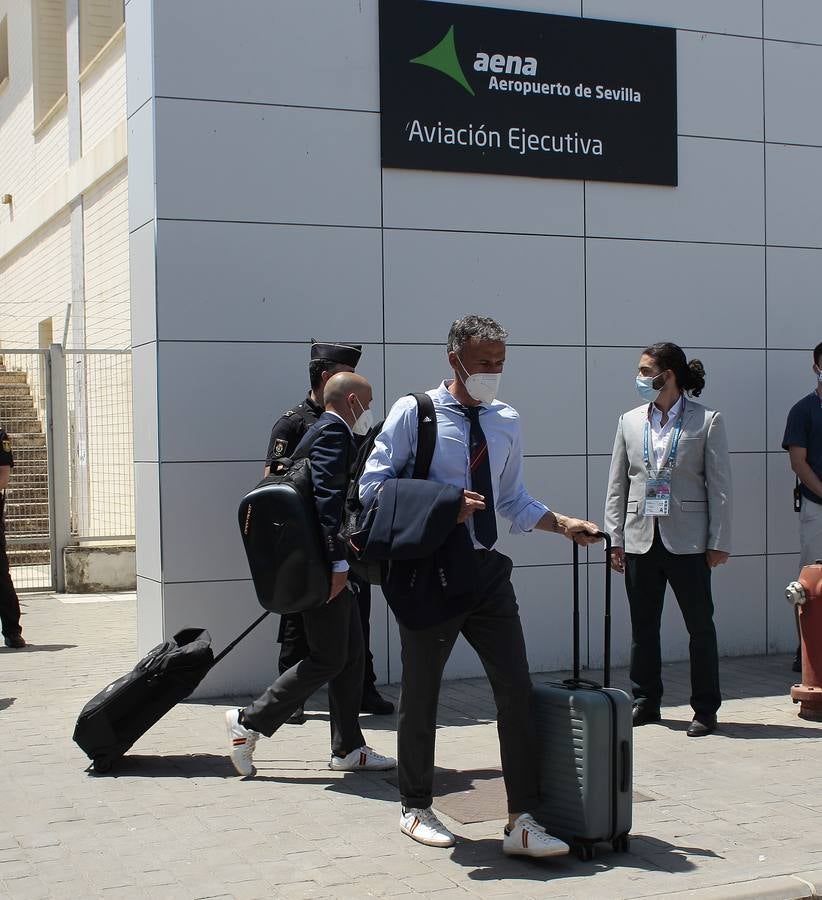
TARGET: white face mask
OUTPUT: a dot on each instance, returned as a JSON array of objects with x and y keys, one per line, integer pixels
[
  {"x": 364, "y": 421},
  {"x": 482, "y": 386},
  {"x": 819, "y": 376}
]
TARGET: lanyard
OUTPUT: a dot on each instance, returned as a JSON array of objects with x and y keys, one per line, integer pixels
[{"x": 671, "y": 460}]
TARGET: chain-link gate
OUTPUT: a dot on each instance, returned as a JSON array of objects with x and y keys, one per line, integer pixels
[
  {"x": 25, "y": 415},
  {"x": 69, "y": 417}
]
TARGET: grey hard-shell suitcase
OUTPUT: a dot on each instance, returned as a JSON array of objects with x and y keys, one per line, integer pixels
[{"x": 586, "y": 750}]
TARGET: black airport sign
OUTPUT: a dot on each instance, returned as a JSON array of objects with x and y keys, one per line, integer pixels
[{"x": 478, "y": 89}]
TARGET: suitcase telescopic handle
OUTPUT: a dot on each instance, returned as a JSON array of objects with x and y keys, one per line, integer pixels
[
  {"x": 606, "y": 664},
  {"x": 237, "y": 639}
]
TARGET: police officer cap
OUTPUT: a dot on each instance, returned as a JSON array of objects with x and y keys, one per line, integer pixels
[{"x": 345, "y": 354}]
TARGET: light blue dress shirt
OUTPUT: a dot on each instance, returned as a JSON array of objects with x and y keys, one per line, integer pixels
[{"x": 395, "y": 450}]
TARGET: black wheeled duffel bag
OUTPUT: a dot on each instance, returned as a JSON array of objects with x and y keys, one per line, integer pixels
[{"x": 123, "y": 711}]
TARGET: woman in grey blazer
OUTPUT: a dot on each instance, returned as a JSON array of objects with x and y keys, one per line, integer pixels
[{"x": 668, "y": 511}]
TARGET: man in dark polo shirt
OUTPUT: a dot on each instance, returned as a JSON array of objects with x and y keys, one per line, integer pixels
[
  {"x": 9, "y": 603},
  {"x": 803, "y": 441}
]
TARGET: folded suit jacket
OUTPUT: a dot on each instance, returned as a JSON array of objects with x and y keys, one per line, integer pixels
[{"x": 412, "y": 519}]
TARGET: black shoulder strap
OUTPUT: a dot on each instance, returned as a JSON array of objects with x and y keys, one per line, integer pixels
[{"x": 426, "y": 435}]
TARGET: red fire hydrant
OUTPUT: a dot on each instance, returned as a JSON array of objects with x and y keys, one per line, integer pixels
[{"x": 806, "y": 595}]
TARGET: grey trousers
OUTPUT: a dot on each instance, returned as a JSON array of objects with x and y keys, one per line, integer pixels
[
  {"x": 492, "y": 627},
  {"x": 335, "y": 658}
]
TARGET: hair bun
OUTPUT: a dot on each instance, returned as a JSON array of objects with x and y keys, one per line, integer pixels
[{"x": 696, "y": 381}]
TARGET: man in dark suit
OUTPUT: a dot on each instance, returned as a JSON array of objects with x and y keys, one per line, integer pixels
[
  {"x": 333, "y": 631},
  {"x": 327, "y": 359}
]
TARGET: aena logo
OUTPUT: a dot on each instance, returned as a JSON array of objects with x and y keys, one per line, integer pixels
[{"x": 443, "y": 58}]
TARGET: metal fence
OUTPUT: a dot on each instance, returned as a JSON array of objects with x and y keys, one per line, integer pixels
[
  {"x": 25, "y": 415},
  {"x": 100, "y": 444},
  {"x": 69, "y": 417}
]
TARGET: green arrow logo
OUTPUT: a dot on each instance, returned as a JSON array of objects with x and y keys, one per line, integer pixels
[{"x": 444, "y": 59}]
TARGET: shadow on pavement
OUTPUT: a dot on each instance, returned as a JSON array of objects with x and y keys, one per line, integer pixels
[
  {"x": 754, "y": 731},
  {"x": 185, "y": 765},
  {"x": 487, "y": 862},
  {"x": 746, "y": 731},
  {"x": 38, "y": 648},
  {"x": 6, "y": 702},
  {"x": 210, "y": 765}
]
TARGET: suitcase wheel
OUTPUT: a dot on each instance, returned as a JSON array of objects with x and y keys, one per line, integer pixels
[
  {"x": 585, "y": 852},
  {"x": 621, "y": 844},
  {"x": 102, "y": 765}
]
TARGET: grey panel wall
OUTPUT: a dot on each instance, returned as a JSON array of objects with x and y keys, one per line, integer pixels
[{"x": 261, "y": 218}]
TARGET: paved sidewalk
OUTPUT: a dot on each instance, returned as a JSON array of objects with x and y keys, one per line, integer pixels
[{"x": 740, "y": 811}]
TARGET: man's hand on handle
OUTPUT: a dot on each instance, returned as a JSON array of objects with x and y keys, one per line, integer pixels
[
  {"x": 581, "y": 531},
  {"x": 471, "y": 502}
]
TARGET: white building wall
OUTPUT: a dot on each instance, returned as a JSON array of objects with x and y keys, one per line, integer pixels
[
  {"x": 105, "y": 246},
  {"x": 35, "y": 248},
  {"x": 282, "y": 227},
  {"x": 35, "y": 284},
  {"x": 47, "y": 265},
  {"x": 103, "y": 92},
  {"x": 29, "y": 161}
]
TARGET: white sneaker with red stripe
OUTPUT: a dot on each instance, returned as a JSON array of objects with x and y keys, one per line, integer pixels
[
  {"x": 363, "y": 759},
  {"x": 422, "y": 825},
  {"x": 241, "y": 742},
  {"x": 528, "y": 838}
]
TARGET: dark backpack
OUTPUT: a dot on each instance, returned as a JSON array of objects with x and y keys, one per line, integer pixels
[
  {"x": 282, "y": 537},
  {"x": 356, "y": 520}
]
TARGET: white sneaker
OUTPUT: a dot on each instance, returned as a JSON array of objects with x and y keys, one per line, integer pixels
[
  {"x": 529, "y": 838},
  {"x": 362, "y": 759},
  {"x": 241, "y": 742},
  {"x": 422, "y": 825}
]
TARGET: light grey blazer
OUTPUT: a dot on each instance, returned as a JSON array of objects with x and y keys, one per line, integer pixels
[{"x": 700, "y": 516}]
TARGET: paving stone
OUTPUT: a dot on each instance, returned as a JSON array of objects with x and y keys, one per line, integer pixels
[
  {"x": 430, "y": 883},
  {"x": 28, "y": 888}
]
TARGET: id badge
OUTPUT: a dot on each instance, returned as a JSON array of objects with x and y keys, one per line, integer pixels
[{"x": 658, "y": 493}]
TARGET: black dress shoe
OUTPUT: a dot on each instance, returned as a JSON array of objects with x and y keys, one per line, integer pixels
[
  {"x": 644, "y": 715},
  {"x": 701, "y": 726},
  {"x": 297, "y": 717},
  {"x": 373, "y": 702},
  {"x": 797, "y": 660},
  {"x": 16, "y": 642}
]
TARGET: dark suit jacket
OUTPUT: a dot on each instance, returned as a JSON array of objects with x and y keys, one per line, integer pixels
[{"x": 330, "y": 447}]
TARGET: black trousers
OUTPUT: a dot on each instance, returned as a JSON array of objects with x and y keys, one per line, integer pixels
[
  {"x": 9, "y": 602},
  {"x": 294, "y": 646},
  {"x": 646, "y": 576},
  {"x": 334, "y": 637},
  {"x": 492, "y": 627}
]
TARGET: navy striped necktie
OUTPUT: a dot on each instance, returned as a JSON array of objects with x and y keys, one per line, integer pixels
[{"x": 485, "y": 520}]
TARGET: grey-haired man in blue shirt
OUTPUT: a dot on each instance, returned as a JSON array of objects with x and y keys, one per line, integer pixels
[{"x": 479, "y": 449}]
